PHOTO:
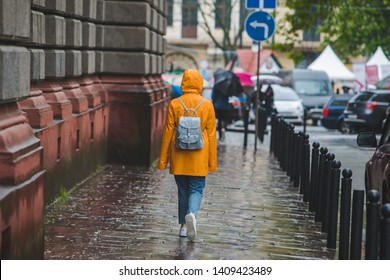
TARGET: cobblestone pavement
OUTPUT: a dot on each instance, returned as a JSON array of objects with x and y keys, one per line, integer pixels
[{"x": 249, "y": 211}]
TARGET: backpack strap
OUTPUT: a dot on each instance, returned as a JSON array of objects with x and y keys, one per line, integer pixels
[
  {"x": 194, "y": 110},
  {"x": 182, "y": 103}
]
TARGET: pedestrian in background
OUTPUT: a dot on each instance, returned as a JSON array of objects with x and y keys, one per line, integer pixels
[
  {"x": 267, "y": 100},
  {"x": 222, "y": 111},
  {"x": 190, "y": 167}
]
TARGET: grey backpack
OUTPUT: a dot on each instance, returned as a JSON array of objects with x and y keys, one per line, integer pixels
[{"x": 188, "y": 132}]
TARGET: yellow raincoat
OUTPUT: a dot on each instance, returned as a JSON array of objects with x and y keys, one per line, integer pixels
[{"x": 190, "y": 162}]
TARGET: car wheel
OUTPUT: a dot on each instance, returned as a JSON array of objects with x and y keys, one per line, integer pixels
[{"x": 344, "y": 128}]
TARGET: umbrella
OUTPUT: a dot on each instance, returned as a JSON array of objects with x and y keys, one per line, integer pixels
[
  {"x": 176, "y": 87},
  {"x": 245, "y": 79},
  {"x": 267, "y": 79},
  {"x": 227, "y": 82}
]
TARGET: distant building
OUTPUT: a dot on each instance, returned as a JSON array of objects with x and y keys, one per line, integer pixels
[{"x": 188, "y": 44}]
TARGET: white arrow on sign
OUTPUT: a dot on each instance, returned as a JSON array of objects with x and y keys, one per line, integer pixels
[{"x": 256, "y": 24}]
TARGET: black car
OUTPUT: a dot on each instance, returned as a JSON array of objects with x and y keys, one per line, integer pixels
[
  {"x": 367, "y": 110},
  {"x": 332, "y": 113}
]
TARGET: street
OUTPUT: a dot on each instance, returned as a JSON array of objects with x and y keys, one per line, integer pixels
[
  {"x": 342, "y": 145},
  {"x": 345, "y": 149}
]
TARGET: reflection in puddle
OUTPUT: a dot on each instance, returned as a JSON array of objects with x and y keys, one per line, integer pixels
[{"x": 185, "y": 250}]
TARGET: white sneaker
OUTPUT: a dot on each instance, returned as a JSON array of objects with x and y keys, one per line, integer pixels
[
  {"x": 191, "y": 226},
  {"x": 183, "y": 232},
  {"x": 223, "y": 135}
]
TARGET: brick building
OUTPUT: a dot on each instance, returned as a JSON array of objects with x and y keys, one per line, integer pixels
[{"x": 80, "y": 86}]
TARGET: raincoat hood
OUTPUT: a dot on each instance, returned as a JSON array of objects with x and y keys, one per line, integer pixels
[{"x": 192, "y": 82}]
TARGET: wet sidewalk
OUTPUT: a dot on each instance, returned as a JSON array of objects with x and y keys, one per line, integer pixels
[{"x": 249, "y": 211}]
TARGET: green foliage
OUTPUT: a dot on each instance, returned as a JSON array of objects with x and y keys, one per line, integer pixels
[
  {"x": 63, "y": 196},
  {"x": 351, "y": 27},
  {"x": 99, "y": 168},
  {"x": 296, "y": 56}
]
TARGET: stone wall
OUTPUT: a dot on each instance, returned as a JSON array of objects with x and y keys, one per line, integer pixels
[{"x": 80, "y": 84}]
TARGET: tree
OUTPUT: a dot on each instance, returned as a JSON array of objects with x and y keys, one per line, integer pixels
[
  {"x": 217, "y": 15},
  {"x": 351, "y": 27}
]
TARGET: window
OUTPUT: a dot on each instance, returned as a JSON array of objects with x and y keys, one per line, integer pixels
[
  {"x": 190, "y": 13},
  {"x": 312, "y": 35},
  {"x": 340, "y": 103},
  {"x": 221, "y": 16},
  {"x": 170, "y": 13},
  {"x": 385, "y": 139},
  {"x": 189, "y": 19}
]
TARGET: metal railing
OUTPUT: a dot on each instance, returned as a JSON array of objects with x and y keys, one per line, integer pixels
[{"x": 338, "y": 208}]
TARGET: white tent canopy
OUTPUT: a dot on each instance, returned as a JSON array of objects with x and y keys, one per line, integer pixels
[
  {"x": 378, "y": 58},
  {"x": 329, "y": 62},
  {"x": 382, "y": 63}
]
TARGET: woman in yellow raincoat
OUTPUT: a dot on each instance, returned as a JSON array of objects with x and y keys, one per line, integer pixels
[{"x": 190, "y": 167}]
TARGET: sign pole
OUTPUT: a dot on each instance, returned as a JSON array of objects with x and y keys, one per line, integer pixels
[
  {"x": 258, "y": 90},
  {"x": 259, "y": 26}
]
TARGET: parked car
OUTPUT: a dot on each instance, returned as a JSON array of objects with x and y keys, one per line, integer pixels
[
  {"x": 367, "y": 110},
  {"x": 384, "y": 83},
  {"x": 312, "y": 86},
  {"x": 288, "y": 104},
  {"x": 332, "y": 113},
  {"x": 377, "y": 169}
]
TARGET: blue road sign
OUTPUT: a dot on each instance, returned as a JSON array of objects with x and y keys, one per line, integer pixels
[
  {"x": 260, "y": 4},
  {"x": 260, "y": 26}
]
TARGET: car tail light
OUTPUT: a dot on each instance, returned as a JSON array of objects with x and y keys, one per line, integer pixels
[
  {"x": 371, "y": 106},
  {"x": 325, "y": 112}
]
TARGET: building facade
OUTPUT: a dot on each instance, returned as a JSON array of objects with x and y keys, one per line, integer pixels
[
  {"x": 80, "y": 86},
  {"x": 189, "y": 44}
]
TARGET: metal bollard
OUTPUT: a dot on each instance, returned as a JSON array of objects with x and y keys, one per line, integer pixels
[
  {"x": 333, "y": 204},
  {"x": 321, "y": 174},
  {"x": 313, "y": 189},
  {"x": 372, "y": 228},
  {"x": 384, "y": 251},
  {"x": 305, "y": 175},
  {"x": 345, "y": 214},
  {"x": 298, "y": 159},
  {"x": 326, "y": 191},
  {"x": 290, "y": 148},
  {"x": 295, "y": 156},
  {"x": 262, "y": 123},
  {"x": 357, "y": 224},
  {"x": 272, "y": 134},
  {"x": 246, "y": 123},
  {"x": 283, "y": 156},
  {"x": 282, "y": 145},
  {"x": 278, "y": 133}
]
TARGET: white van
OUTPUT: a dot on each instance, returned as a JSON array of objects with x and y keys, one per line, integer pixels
[{"x": 312, "y": 86}]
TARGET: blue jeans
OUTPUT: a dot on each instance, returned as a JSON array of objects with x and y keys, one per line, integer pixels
[{"x": 190, "y": 192}]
